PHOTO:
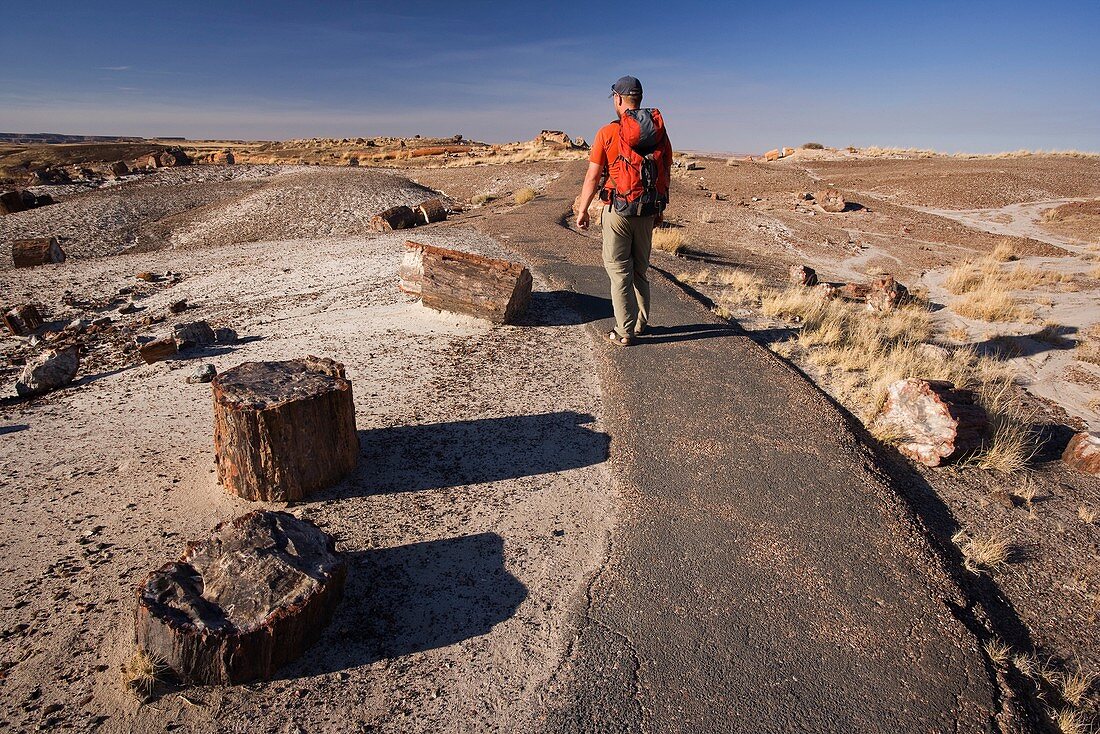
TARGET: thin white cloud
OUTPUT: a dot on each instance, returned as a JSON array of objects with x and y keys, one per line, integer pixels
[{"x": 115, "y": 68}]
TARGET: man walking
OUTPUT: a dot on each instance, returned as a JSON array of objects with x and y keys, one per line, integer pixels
[{"x": 635, "y": 155}]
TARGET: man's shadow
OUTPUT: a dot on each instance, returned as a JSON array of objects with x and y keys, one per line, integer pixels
[
  {"x": 415, "y": 597},
  {"x": 409, "y": 458}
]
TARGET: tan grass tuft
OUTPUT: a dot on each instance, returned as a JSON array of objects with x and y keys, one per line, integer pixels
[
  {"x": 998, "y": 653},
  {"x": 1088, "y": 350},
  {"x": 983, "y": 553},
  {"x": 668, "y": 239},
  {"x": 522, "y": 196},
  {"x": 1069, "y": 721},
  {"x": 1087, "y": 515},
  {"x": 1074, "y": 687},
  {"x": 992, "y": 303},
  {"x": 1004, "y": 252}
]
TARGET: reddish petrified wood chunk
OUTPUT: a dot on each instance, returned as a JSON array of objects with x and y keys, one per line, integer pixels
[
  {"x": 1083, "y": 453},
  {"x": 802, "y": 275},
  {"x": 38, "y": 251},
  {"x": 398, "y": 217},
  {"x": 830, "y": 200},
  {"x": 886, "y": 294},
  {"x": 934, "y": 421},
  {"x": 283, "y": 430},
  {"x": 431, "y": 211},
  {"x": 237, "y": 606},
  {"x": 158, "y": 350},
  {"x": 462, "y": 282}
]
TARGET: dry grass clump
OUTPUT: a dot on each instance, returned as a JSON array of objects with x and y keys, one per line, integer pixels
[
  {"x": 993, "y": 303},
  {"x": 1069, "y": 721},
  {"x": 1087, "y": 515},
  {"x": 142, "y": 672},
  {"x": 739, "y": 287},
  {"x": 1004, "y": 252},
  {"x": 482, "y": 199},
  {"x": 522, "y": 196},
  {"x": 668, "y": 239},
  {"x": 1088, "y": 349},
  {"x": 813, "y": 146},
  {"x": 985, "y": 553},
  {"x": 988, "y": 272},
  {"x": 998, "y": 653}
]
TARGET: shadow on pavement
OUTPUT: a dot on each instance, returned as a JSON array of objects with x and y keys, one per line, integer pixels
[
  {"x": 415, "y": 597},
  {"x": 456, "y": 453},
  {"x": 565, "y": 308}
]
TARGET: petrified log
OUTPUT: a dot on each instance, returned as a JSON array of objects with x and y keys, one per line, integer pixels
[
  {"x": 431, "y": 211},
  {"x": 239, "y": 605},
  {"x": 788, "y": 151},
  {"x": 802, "y": 275},
  {"x": 935, "y": 421},
  {"x": 830, "y": 200},
  {"x": 1083, "y": 453},
  {"x": 119, "y": 169},
  {"x": 158, "y": 350},
  {"x": 22, "y": 320},
  {"x": 37, "y": 251},
  {"x": 11, "y": 202},
  {"x": 411, "y": 270},
  {"x": 462, "y": 282},
  {"x": 283, "y": 430},
  {"x": 397, "y": 217},
  {"x": 886, "y": 294},
  {"x": 773, "y": 155},
  {"x": 49, "y": 371},
  {"x": 854, "y": 291}
]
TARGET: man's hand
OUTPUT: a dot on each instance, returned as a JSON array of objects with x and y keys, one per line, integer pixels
[{"x": 582, "y": 220}]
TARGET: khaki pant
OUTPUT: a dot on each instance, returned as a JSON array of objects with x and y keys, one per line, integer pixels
[{"x": 627, "y": 243}]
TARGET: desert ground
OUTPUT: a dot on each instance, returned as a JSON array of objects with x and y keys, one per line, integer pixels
[{"x": 490, "y": 491}]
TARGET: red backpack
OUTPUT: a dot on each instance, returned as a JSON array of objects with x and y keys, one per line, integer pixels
[{"x": 640, "y": 175}]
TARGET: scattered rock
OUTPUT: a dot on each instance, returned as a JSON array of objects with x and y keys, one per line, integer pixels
[
  {"x": 934, "y": 421},
  {"x": 11, "y": 202},
  {"x": 37, "y": 251},
  {"x": 806, "y": 196},
  {"x": 225, "y": 335},
  {"x": 431, "y": 211},
  {"x": 147, "y": 277},
  {"x": 553, "y": 136},
  {"x": 933, "y": 352},
  {"x": 855, "y": 291},
  {"x": 128, "y": 307},
  {"x": 1083, "y": 453},
  {"x": 178, "y": 306},
  {"x": 773, "y": 155},
  {"x": 787, "y": 152},
  {"x": 828, "y": 290},
  {"x": 802, "y": 275},
  {"x": 241, "y": 604},
  {"x": 23, "y": 320},
  {"x": 193, "y": 334},
  {"x": 119, "y": 169},
  {"x": 49, "y": 371},
  {"x": 203, "y": 373},
  {"x": 830, "y": 200},
  {"x": 691, "y": 166}
]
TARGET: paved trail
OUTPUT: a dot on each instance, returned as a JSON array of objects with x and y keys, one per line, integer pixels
[{"x": 764, "y": 577}]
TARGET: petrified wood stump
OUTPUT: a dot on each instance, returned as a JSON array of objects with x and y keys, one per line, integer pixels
[
  {"x": 38, "y": 251},
  {"x": 1083, "y": 453},
  {"x": 23, "y": 320},
  {"x": 802, "y": 275},
  {"x": 830, "y": 200},
  {"x": 11, "y": 202},
  {"x": 934, "y": 421},
  {"x": 239, "y": 605},
  {"x": 431, "y": 211},
  {"x": 462, "y": 282},
  {"x": 398, "y": 217},
  {"x": 886, "y": 294},
  {"x": 283, "y": 430}
]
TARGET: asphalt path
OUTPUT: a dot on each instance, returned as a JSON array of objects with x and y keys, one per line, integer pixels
[{"x": 763, "y": 575}]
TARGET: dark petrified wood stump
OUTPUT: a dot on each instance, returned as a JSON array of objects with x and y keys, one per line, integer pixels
[
  {"x": 398, "y": 217},
  {"x": 1083, "y": 453},
  {"x": 463, "y": 282},
  {"x": 431, "y": 211},
  {"x": 244, "y": 602},
  {"x": 11, "y": 202},
  {"x": 283, "y": 430},
  {"x": 38, "y": 251},
  {"x": 934, "y": 421},
  {"x": 23, "y": 320}
]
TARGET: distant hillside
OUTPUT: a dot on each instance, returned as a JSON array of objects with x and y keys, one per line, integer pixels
[{"x": 58, "y": 138}]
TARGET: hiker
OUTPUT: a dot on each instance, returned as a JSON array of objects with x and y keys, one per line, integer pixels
[{"x": 634, "y": 154}]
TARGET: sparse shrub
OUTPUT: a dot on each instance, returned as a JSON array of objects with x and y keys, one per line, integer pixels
[
  {"x": 482, "y": 199},
  {"x": 1087, "y": 514},
  {"x": 740, "y": 288},
  {"x": 1005, "y": 252},
  {"x": 524, "y": 195},
  {"x": 1070, "y": 721},
  {"x": 1088, "y": 350},
  {"x": 998, "y": 653},
  {"x": 813, "y": 146},
  {"x": 668, "y": 239}
]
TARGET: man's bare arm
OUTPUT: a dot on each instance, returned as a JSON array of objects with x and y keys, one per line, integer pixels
[{"x": 588, "y": 192}]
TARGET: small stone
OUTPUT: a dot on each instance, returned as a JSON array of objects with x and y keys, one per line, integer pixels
[
  {"x": 49, "y": 371},
  {"x": 1083, "y": 453},
  {"x": 203, "y": 373},
  {"x": 128, "y": 307},
  {"x": 193, "y": 334},
  {"x": 178, "y": 306}
]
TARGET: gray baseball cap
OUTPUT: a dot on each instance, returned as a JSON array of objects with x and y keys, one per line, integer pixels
[{"x": 627, "y": 86}]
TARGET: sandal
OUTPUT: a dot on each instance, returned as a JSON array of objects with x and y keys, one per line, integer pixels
[{"x": 622, "y": 341}]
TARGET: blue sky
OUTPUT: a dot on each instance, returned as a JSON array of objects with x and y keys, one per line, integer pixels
[{"x": 974, "y": 76}]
